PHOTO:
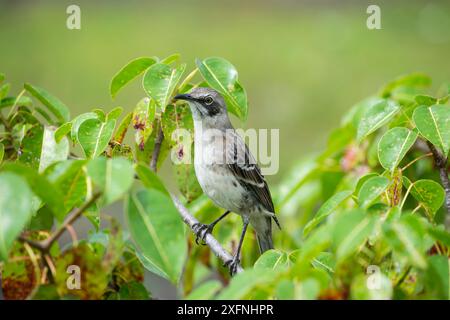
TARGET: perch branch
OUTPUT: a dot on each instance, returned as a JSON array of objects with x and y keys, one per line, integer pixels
[
  {"x": 441, "y": 163},
  {"x": 212, "y": 243}
]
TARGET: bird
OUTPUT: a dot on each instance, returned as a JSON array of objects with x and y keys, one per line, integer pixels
[{"x": 227, "y": 171}]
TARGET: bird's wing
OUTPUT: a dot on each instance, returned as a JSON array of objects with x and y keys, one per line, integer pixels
[{"x": 246, "y": 170}]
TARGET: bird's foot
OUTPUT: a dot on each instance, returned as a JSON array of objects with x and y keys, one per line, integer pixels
[
  {"x": 201, "y": 230},
  {"x": 232, "y": 265}
]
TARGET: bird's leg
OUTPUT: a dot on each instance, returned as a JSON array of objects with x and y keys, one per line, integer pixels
[
  {"x": 233, "y": 264},
  {"x": 201, "y": 230}
]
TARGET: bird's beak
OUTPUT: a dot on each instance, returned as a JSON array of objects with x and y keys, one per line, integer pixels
[{"x": 186, "y": 97}]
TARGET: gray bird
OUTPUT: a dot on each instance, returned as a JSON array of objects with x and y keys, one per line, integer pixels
[{"x": 227, "y": 172}]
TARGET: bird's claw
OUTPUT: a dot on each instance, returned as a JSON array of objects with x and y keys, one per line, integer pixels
[
  {"x": 232, "y": 265},
  {"x": 201, "y": 230}
]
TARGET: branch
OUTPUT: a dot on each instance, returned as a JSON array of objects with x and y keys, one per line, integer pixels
[
  {"x": 212, "y": 243},
  {"x": 158, "y": 141},
  {"x": 441, "y": 163},
  {"x": 45, "y": 245}
]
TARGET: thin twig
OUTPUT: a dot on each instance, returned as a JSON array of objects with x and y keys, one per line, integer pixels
[
  {"x": 157, "y": 149},
  {"x": 212, "y": 243},
  {"x": 45, "y": 245},
  {"x": 441, "y": 162},
  {"x": 70, "y": 220}
]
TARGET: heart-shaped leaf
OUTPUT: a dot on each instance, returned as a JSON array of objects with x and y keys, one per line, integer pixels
[
  {"x": 94, "y": 136},
  {"x": 371, "y": 190},
  {"x": 394, "y": 145},
  {"x": 133, "y": 69},
  {"x": 375, "y": 117},
  {"x": 160, "y": 81},
  {"x": 158, "y": 231},
  {"x": 58, "y": 108},
  {"x": 433, "y": 123},
  {"x": 76, "y": 123},
  {"x": 15, "y": 209},
  {"x": 222, "y": 76},
  {"x": 428, "y": 193}
]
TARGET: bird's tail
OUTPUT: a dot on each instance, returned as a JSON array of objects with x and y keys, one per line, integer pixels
[{"x": 264, "y": 234}]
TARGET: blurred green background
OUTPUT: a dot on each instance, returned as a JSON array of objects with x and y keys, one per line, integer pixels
[{"x": 303, "y": 63}]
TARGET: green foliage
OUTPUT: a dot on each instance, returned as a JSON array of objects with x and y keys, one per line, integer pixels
[{"x": 372, "y": 200}]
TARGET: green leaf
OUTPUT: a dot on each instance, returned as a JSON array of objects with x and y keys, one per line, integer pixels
[
  {"x": 324, "y": 261},
  {"x": 205, "y": 291},
  {"x": 112, "y": 176},
  {"x": 4, "y": 89},
  {"x": 375, "y": 117},
  {"x": 272, "y": 259},
  {"x": 70, "y": 178},
  {"x": 100, "y": 114},
  {"x": 15, "y": 209},
  {"x": 160, "y": 82},
  {"x": 222, "y": 76},
  {"x": 438, "y": 277},
  {"x": 433, "y": 124},
  {"x": 350, "y": 231},
  {"x": 150, "y": 179},
  {"x": 58, "y": 108},
  {"x": 428, "y": 193},
  {"x": 51, "y": 150},
  {"x": 326, "y": 209},
  {"x": 405, "y": 236},
  {"x": 31, "y": 146},
  {"x": 171, "y": 59},
  {"x": 394, "y": 145},
  {"x": 371, "y": 190},
  {"x": 122, "y": 129},
  {"x": 410, "y": 80},
  {"x": 133, "y": 69},
  {"x": 10, "y": 101},
  {"x": 94, "y": 136},
  {"x": 76, "y": 123},
  {"x": 422, "y": 99},
  {"x": 133, "y": 291},
  {"x": 143, "y": 117},
  {"x": 243, "y": 284},
  {"x": 158, "y": 231},
  {"x": 63, "y": 131},
  {"x": 114, "y": 113},
  {"x": 41, "y": 187},
  {"x": 439, "y": 234}
]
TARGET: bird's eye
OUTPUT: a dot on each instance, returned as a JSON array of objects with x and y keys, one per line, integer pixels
[{"x": 209, "y": 101}]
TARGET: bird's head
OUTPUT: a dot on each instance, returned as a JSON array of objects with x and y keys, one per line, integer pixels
[{"x": 207, "y": 105}]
